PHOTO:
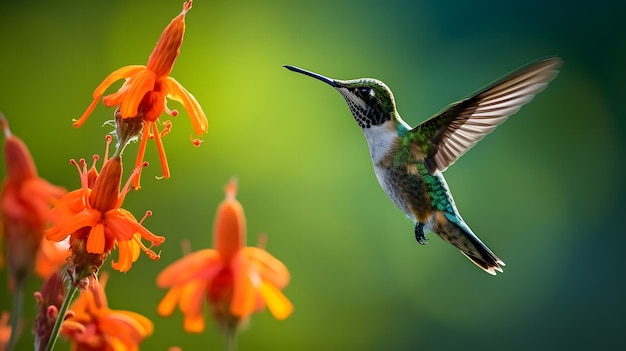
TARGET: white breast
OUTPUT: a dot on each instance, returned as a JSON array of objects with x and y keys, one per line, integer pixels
[{"x": 380, "y": 139}]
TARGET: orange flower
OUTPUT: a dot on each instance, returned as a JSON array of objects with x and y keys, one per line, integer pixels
[
  {"x": 236, "y": 279},
  {"x": 95, "y": 221},
  {"x": 25, "y": 206},
  {"x": 95, "y": 327},
  {"x": 145, "y": 90},
  {"x": 5, "y": 331},
  {"x": 51, "y": 256}
]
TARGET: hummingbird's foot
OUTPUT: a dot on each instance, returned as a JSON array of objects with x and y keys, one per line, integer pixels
[{"x": 419, "y": 234}]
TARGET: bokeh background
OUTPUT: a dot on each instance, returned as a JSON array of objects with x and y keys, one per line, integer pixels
[{"x": 544, "y": 191}]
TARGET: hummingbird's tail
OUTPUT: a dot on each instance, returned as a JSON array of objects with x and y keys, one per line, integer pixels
[{"x": 457, "y": 233}]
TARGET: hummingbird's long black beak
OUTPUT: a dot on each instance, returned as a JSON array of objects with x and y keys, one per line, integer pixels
[{"x": 326, "y": 80}]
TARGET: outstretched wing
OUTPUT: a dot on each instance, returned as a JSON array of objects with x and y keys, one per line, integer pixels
[{"x": 448, "y": 135}]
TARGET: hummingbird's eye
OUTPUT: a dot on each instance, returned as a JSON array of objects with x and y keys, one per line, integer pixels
[{"x": 365, "y": 92}]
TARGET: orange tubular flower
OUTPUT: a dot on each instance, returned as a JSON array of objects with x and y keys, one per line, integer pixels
[
  {"x": 95, "y": 327},
  {"x": 237, "y": 280},
  {"x": 93, "y": 217},
  {"x": 146, "y": 88},
  {"x": 25, "y": 206}
]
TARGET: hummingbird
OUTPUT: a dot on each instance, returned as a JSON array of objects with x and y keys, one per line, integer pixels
[{"x": 409, "y": 162}]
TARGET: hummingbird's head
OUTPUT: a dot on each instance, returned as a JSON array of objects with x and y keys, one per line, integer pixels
[{"x": 371, "y": 101}]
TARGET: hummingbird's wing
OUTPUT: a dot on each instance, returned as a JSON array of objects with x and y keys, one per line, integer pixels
[{"x": 445, "y": 137}]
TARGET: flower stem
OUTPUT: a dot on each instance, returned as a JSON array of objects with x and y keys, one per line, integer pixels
[
  {"x": 71, "y": 291},
  {"x": 16, "y": 315},
  {"x": 231, "y": 341}
]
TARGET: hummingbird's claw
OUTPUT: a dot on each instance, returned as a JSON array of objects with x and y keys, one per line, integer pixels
[{"x": 419, "y": 234}]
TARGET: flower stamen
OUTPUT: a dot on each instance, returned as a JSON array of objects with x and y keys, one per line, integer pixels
[
  {"x": 147, "y": 250},
  {"x": 134, "y": 175},
  {"x": 162, "y": 156},
  {"x": 148, "y": 214},
  {"x": 167, "y": 128},
  {"x": 84, "y": 182},
  {"x": 195, "y": 142},
  {"x": 108, "y": 139}
]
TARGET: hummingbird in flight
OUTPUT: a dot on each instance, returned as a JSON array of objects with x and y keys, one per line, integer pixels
[{"x": 409, "y": 162}]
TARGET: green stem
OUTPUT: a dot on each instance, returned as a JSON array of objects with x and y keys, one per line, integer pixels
[
  {"x": 231, "y": 341},
  {"x": 69, "y": 296},
  {"x": 16, "y": 315}
]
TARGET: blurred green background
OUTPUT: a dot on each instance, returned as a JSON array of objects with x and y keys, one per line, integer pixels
[{"x": 544, "y": 191}]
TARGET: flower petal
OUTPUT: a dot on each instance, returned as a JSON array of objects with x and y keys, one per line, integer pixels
[
  {"x": 122, "y": 225},
  {"x": 136, "y": 249},
  {"x": 190, "y": 303},
  {"x": 189, "y": 267},
  {"x": 191, "y": 298},
  {"x": 51, "y": 256},
  {"x": 39, "y": 194},
  {"x": 276, "y": 301},
  {"x": 179, "y": 93},
  {"x": 129, "y": 327},
  {"x": 123, "y": 72},
  {"x": 116, "y": 75},
  {"x": 79, "y": 122},
  {"x": 268, "y": 266},
  {"x": 70, "y": 204},
  {"x": 128, "y": 251},
  {"x": 139, "y": 321},
  {"x": 193, "y": 323},
  {"x": 138, "y": 85},
  {"x": 115, "y": 99},
  {"x": 12, "y": 205},
  {"x": 230, "y": 225},
  {"x": 244, "y": 294},
  {"x": 95, "y": 240},
  {"x": 63, "y": 228},
  {"x": 169, "y": 301}
]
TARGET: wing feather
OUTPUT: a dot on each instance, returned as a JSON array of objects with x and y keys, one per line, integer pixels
[{"x": 449, "y": 134}]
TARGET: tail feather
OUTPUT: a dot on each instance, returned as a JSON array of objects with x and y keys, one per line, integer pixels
[
  {"x": 490, "y": 263},
  {"x": 460, "y": 235}
]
